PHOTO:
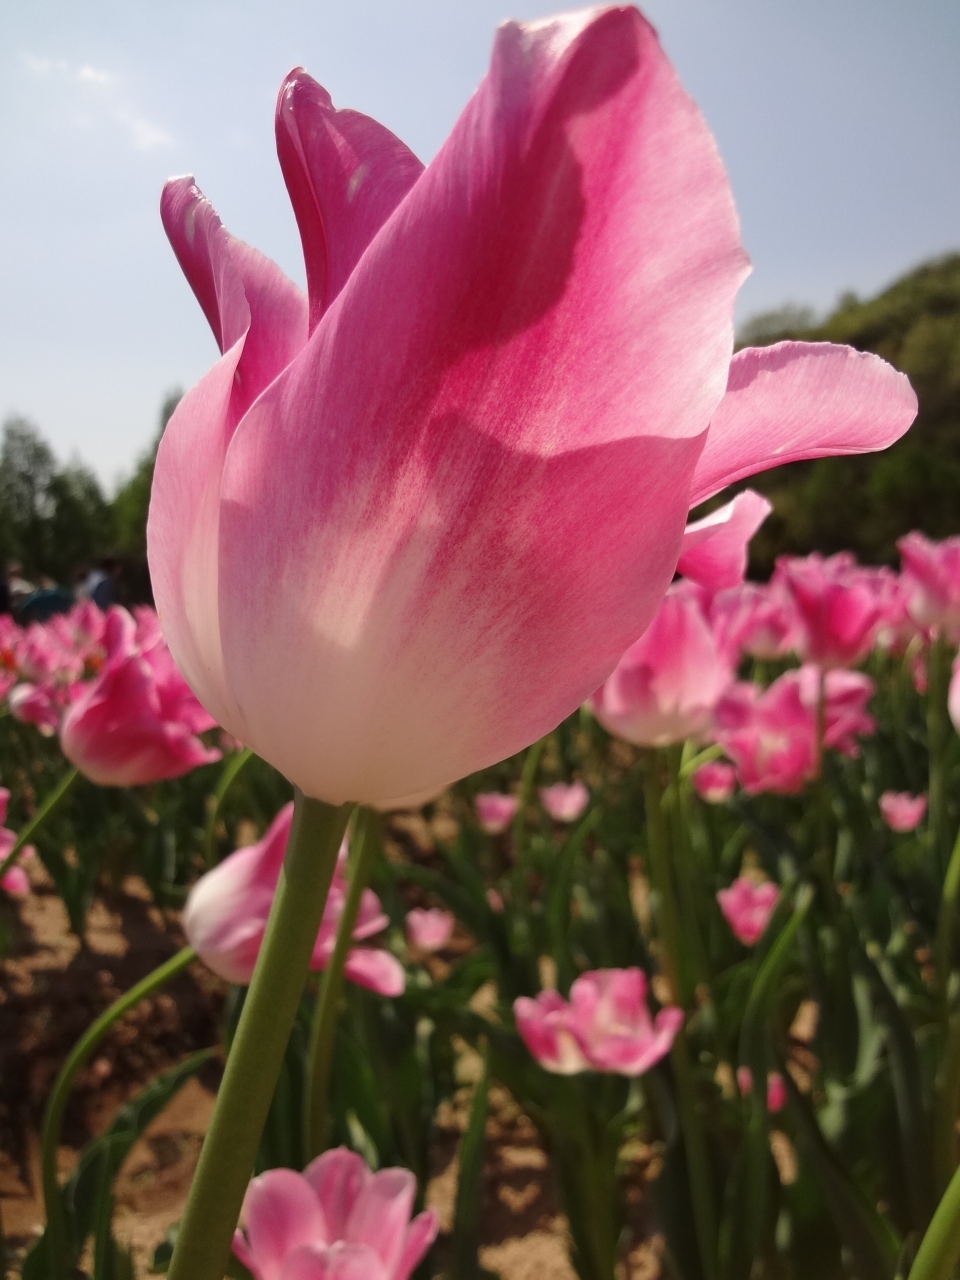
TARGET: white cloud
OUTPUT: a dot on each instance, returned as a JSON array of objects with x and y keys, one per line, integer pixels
[{"x": 90, "y": 86}]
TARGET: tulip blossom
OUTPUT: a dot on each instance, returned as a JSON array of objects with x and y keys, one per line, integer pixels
[
  {"x": 931, "y": 583},
  {"x": 495, "y": 811},
  {"x": 409, "y": 521},
  {"x": 225, "y": 916},
  {"x": 605, "y": 1025},
  {"x": 758, "y": 619},
  {"x": 902, "y": 811},
  {"x": 747, "y": 908},
  {"x": 771, "y": 734},
  {"x": 667, "y": 685},
  {"x": 335, "y": 1221},
  {"x": 839, "y": 605},
  {"x": 715, "y": 549},
  {"x": 41, "y": 705},
  {"x": 137, "y": 722},
  {"x": 15, "y": 881},
  {"x": 715, "y": 781},
  {"x": 565, "y": 803},
  {"x": 430, "y": 928}
]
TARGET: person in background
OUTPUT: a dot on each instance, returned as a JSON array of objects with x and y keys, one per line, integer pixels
[
  {"x": 17, "y": 586},
  {"x": 100, "y": 585}
]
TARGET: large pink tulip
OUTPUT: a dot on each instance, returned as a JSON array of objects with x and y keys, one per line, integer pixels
[
  {"x": 225, "y": 916},
  {"x": 605, "y": 1025},
  {"x": 409, "y": 522},
  {"x": 335, "y": 1221},
  {"x": 138, "y": 721},
  {"x": 931, "y": 583},
  {"x": 667, "y": 685}
]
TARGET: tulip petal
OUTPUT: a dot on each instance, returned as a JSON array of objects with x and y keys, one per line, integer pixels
[
  {"x": 419, "y": 1237},
  {"x": 259, "y": 319},
  {"x": 494, "y": 428},
  {"x": 375, "y": 969},
  {"x": 801, "y": 400},
  {"x": 281, "y": 1211},
  {"x": 338, "y": 1178},
  {"x": 380, "y": 1217},
  {"x": 715, "y": 549},
  {"x": 345, "y": 174}
]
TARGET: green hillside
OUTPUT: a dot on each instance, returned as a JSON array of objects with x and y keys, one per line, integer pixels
[{"x": 866, "y": 503}]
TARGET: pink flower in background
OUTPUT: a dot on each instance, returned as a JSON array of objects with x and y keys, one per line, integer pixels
[
  {"x": 758, "y": 619},
  {"x": 495, "y": 811},
  {"x": 226, "y": 915},
  {"x": 771, "y": 734},
  {"x": 525, "y": 346},
  {"x": 716, "y": 548},
  {"x": 666, "y": 686},
  {"x": 715, "y": 781},
  {"x": 41, "y": 705},
  {"x": 335, "y": 1221},
  {"x": 776, "y": 1088},
  {"x": 605, "y": 1026},
  {"x": 15, "y": 882},
  {"x": 839, "y": 606},
  {"x": 137, "y": 722},
  {"x": 747, "y": 908},
  {"x": 931, "y": 583},
  {"x": 429, "y": 928},
  {"x": 563, "y": 802},
  {"x": 902, "y": 811}
]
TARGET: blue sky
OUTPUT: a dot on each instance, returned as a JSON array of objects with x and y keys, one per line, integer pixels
[{"x": 839, "y": 121}]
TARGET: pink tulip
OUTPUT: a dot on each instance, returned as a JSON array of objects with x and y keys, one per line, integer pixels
[
  {"x": 715, "y": 781},
  {"x": 495, "y": 811},
  {"x": 225, "y": 916},
  {"x": 931, "y": 583},
  {"x": 771, "y": 734},
  {"x": 755, "y": 619},
  {"x": 138, "y": 721},
  {"x": 41, "y": 705},
  {"x": 605, "y": 1026},
  {"x": 715, "y": 549},
  {"x": 667, "y": 685},
  {"x": 776, "y": 1088},
  {"x": 747, "y": 908},
  {"x": 429, "y": 928},
  {"x": 565, "y": 803},
  {"x": 839, "y": 604},
  {"x": 902, "y": 811},
  {"x": 15, "y": 882},
  {"x": 407, "y": 523},
  {"x": 335, "y": 1221}
]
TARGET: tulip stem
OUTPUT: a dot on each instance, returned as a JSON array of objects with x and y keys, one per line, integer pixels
[
  {"x": 50, "y": 802},
  {"x": 939, "y": 1249},
  {"x": 366, "y": 843},
  {"x": 256, "y": 1055},
  {"x": 60, "y": 1263},
  {"x": 231, "y": 771},
  {"x": 936, "y": 745},
  {"x": 669, "y": 956}
]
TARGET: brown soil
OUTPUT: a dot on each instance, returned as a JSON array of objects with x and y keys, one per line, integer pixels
[{"x": 51, "y": 989}]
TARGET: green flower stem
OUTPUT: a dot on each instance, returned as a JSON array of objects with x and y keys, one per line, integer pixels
[
  {"x": 49, "y": 804},
  {"x": 948, "y": 1075},
  {"x": 698, "y": 1164},
  {"x": 56, "y": 1106},
  {"x": 366, "y": 843},
  {"x": 939, "y": 1249},
  {"x": 527, "y": 779},
  {"x": 946, "y": 921},
  {"x": 230, "y": 1147},
  {"x": 937, "y": 665},
  {"x": 231, "y": 771}
]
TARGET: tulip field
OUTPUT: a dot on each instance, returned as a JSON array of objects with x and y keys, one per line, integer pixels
[
  {"x": 476, "y": 806},
  {"x": 703, "y": 933}
]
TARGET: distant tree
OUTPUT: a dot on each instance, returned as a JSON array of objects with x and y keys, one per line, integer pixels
[
  {"x": 770, "y": 326},
  {"x": 129, "y": 512},
  {"x": 27, "y": 467}
]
